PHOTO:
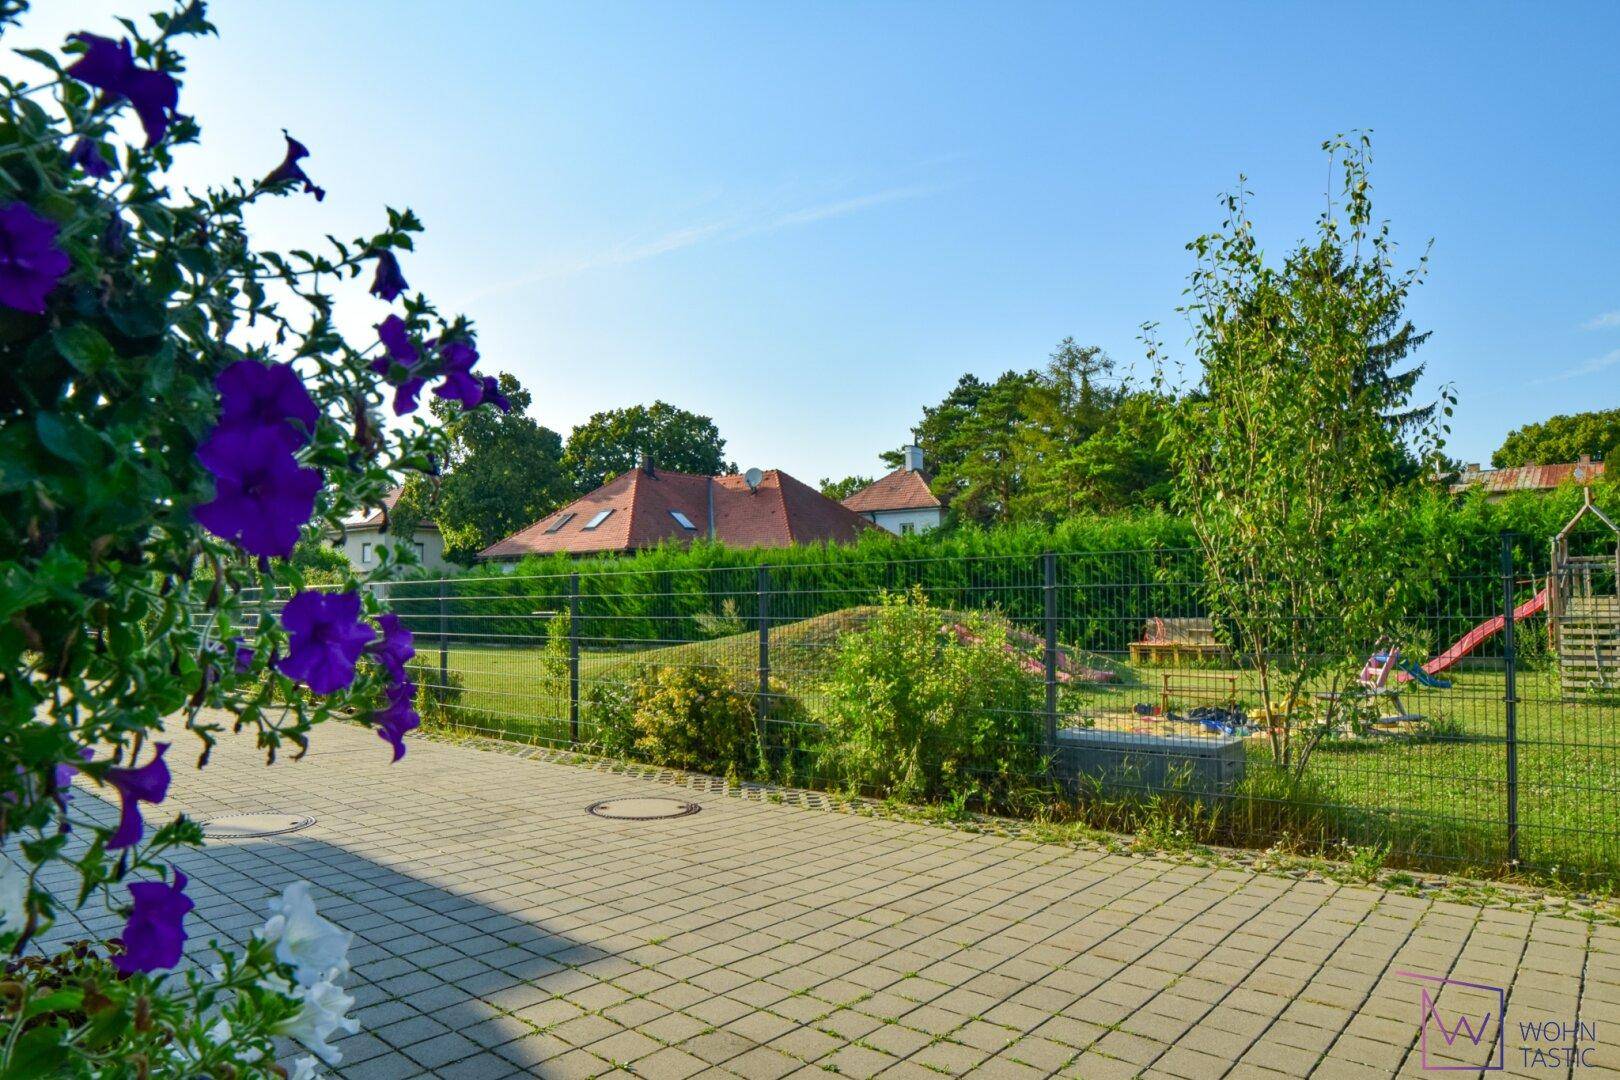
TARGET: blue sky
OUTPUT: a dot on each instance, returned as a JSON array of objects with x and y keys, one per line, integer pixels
[{"x": 808, "y": 220}]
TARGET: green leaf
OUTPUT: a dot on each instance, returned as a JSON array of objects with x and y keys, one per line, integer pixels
[
  {"x": 82, "y": 345},
  {"x": 60, "y": 1001},
  {"x": 40, "y": 56},
  {"x": 39, "y": 1053},
  {"x": 58, "y": 438}
]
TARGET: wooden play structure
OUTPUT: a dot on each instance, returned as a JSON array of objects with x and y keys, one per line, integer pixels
[
  {"x": 1583, "y": 608},
  {"x": 1179, "y": 643}
]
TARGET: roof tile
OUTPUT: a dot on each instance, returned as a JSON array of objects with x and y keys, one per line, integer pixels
[
  {"x": 903, "y": 489},
  {"x": 782, "y": 511}
]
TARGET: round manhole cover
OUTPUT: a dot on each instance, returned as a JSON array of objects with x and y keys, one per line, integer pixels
[
  {"x": 642, "y": 809},
  {"x": 242, "y": 826}
]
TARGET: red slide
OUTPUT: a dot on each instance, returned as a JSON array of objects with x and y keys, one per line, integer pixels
[{"x": 1470, "y": 641}]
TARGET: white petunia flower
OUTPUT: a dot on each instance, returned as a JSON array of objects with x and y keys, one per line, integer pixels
[
  {"x": 322, "y": 1014},
  {"x": 316, "y": 949},
  {"x": 13, "y": 897},
  {"x": 304, "y": 1069}
]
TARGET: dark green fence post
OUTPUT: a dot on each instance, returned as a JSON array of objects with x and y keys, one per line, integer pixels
[
  {"x": 573, "y": 659},
  {"x": 1510, "y": 700},
  {"x": 762, "y": 586},
  {"x": 443, "y": 693},
  {"x": 1049, "y": 591}
]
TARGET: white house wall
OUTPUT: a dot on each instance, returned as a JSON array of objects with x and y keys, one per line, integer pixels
[
  {"x": 895, "y": 521},
  {"x": 360, "y": 547}
]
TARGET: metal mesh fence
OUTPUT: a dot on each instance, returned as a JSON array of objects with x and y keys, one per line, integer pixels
[{"x": 1092, "y": 686}]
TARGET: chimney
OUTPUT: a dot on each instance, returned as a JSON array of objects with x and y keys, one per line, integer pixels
[
  {"x": 913, "y": 458},
  {"x": 647, "y": 464}
]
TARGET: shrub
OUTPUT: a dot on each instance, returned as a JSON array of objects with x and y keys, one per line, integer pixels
[
  {"x": 922, "y": 703},
  {"x": 691, "y": 717}
]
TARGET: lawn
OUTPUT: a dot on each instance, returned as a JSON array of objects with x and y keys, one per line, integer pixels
[{"x": 1439, "y": 794}]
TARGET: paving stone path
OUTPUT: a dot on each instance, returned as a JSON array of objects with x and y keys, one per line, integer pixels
[{"x": 503, "y": 931}]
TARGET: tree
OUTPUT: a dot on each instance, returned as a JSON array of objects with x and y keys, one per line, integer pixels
[
  {"x": 1045, "y": 445},
  {"x": 1561, "y": 439},
  {"x": 839, "y": 490},
  {"x": 1123, "y": 465},
  {"x": 1061, "y": 409},
  {"x": 1277, "y": 461},
  {"x": 503, "y": 471},
  {"x": 968, "y": 442},
  {"x": 612, "y": 442}
]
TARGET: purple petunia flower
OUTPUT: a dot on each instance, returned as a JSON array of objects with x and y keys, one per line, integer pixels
[
  {"x": 148, "y": 784},
  {"x": 109, "y": 66},
  {"x": 155, "y": 935},
  {"x": 289, "y": 169},
  {"x": 327, "y": 638},
  {"x": 86, "y": 154},
  {"x": 397, "y": 340},
  {"x": 241, "y": 655},
  {"x": 388, "y": 282},
  {"x": 399, "y": 717},
  {"x": 269, "y": 398},
  {"x": 262, "y": 496},
  {"x": 460, "y": 384},
  {"x": 30, "y": 264},
  {"x": 395, "y": 648},
  {"x": 493, "y": 395},
  {"x": 405, "y": 395}
]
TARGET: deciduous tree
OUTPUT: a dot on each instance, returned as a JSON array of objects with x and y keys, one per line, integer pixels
[
  {"x": 612, "y": 442},
  {"x": 1561, "y": 439},
  {"x": 1278, "y": 462}
]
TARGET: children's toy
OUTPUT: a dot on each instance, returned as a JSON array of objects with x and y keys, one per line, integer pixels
[
  {"x": 1582, "y": 602},
  {"x": 1178, "y": 643},
  {"x": 1583, "y": 608}
]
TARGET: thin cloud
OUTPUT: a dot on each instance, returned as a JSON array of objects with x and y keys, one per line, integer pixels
[
  {"x": 628, "y": 252},
  {"x": 843, "y": 208},
  {"x": 1606, "y": 321},
  {"x": 1591, "y": 367}
]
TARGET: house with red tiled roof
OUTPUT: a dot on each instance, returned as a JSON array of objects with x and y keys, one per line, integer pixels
[
  {"x": 1499, "y": 482},
  {"x": 902, "y": 501},
  {"x": 648, "y": 506},
  {"x": 366, "y": 533}
]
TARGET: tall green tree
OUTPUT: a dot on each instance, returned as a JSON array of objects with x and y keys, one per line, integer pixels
[
  {"x": 504, "y": 471},
  {"x": 1122, "y": 465},
  {"x": 1279, "y": 461},
  {"x": 1560, "y": 439},
  {"x": 839, "y": 490},
  {"x": 1044, "y": 445},
  {"x": 969, "y": 445},
  {"x": 612, "y": 442},
  {"x": 1061, "y": 409}
]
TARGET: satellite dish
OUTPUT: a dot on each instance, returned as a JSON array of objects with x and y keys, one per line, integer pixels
[{"x": 752, "y": 478}]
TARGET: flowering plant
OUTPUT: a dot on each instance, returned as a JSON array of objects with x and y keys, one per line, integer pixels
[{"x": 180, "y": 410}]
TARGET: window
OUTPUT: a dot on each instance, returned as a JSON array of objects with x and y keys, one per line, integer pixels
[
  {"x": 599, "y": 518},
  {"x": 365, "y": 554},
  {"x": 907, "y": 528},
  {"x": 682, "y": 520},
  {"x": 421, "y": 552},
  {"x": 559, "y": 523}
]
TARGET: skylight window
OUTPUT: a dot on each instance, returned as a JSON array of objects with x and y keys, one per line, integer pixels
[
  {"x": 599, "y": 518},
  {"x": 682, "y": 520},
  {"x": 557, "y": 525}
]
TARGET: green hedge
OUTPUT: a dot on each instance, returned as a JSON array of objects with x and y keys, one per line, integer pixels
[{"x": 1114, "y": 573}]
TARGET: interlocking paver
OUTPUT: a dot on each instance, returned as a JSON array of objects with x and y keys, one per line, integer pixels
[{"x": 500, "y": 931}]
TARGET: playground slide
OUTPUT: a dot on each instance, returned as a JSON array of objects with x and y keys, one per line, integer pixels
[{"x": 1471, "y": 640}]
